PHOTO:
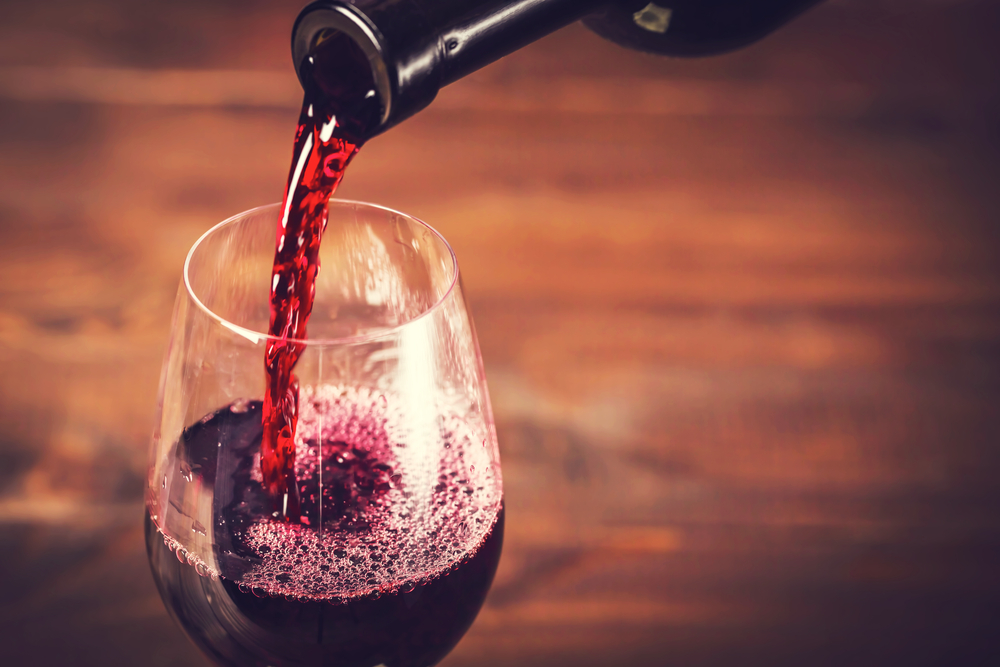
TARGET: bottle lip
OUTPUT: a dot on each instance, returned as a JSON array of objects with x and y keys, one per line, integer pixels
[{"x": 319, "y": 16}]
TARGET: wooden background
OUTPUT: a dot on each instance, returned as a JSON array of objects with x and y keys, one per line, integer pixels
[{"x": 739, "y": 317}]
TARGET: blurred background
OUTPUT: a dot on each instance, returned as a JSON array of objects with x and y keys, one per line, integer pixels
[{"x": 739, "y": 317}]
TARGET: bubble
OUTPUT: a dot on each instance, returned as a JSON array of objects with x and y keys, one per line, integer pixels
[
  {"x": 239, "y": 406},
  {"x": 375, "y": 529}
]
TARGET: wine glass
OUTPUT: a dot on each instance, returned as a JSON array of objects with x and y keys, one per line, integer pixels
[{"x": 396, "y": 459}]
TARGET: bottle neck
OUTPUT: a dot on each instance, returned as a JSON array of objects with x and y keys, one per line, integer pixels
[
  {"x": 476, "y": 34},
  {"x": 415, "y": 47}
]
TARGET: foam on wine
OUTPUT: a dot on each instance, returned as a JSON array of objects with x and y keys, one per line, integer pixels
[
  {"x": 383, "y": 508},
  {"x": 406, "y": 537}
]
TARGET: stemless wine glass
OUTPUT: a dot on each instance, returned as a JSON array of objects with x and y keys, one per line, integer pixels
[{"x": 396, "y": 461}]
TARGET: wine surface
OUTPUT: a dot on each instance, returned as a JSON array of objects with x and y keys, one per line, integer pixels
[
  {"x": 389, "y": 564},
  {"x": 337, "y": 108}
]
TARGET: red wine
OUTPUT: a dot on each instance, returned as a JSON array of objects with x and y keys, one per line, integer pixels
[
  {"x": 390, "y": 564},
  {"x": 337, "y": 108}
]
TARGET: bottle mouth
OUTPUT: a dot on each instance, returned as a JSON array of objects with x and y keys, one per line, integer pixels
[{"x": 320, "y": 22}]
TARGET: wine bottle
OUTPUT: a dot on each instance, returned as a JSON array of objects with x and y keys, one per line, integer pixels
[{"x": 415, "y": 47}]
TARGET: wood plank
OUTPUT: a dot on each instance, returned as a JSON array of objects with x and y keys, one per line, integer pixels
[{"x": 741, "y": 330}]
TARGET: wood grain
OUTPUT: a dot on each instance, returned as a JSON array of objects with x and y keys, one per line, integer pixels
[{"x": 739, "y": 317}]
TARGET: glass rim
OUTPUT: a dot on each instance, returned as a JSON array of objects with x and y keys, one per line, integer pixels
[{"x": 258, "y": 337}]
